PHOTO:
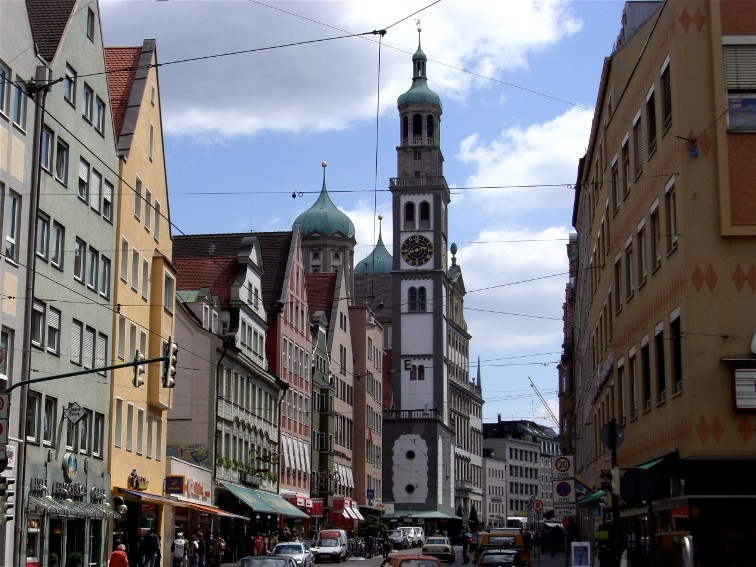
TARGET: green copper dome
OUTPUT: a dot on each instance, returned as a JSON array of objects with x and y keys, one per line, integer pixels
[
  {"x": 419, "y": 92},
  {"x": 324, "y": 218},
  {"x": 379, "y": 261}
]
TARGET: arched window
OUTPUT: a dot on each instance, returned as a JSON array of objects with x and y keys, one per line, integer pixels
[
  {"x": 409, "y": 216},
  {"x": 430, "y": 129},
  {"x": 420, "y": 371},
  {"x": 405, "y": 129},
  {"x": 425, "y": 215},
  {"x": 412, "y": 299},
  {"x": 421, "y": 299},
  {"x": 417, "y": 127}
]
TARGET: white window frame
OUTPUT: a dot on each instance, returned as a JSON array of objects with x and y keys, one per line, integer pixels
[
  {"x": 38, "y": 324},
  {"x": 53, "y": 330},
  {"x": 58, "y": 247},
  {"x": 62, "y": 154},
  {"x": 124, "y": 275},
  {"x": 77, "y": 342},
  {"x": 87, "y": 102},
  {"x": 69, "y": 85}
]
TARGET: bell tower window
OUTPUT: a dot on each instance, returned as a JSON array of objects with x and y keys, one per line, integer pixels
[
  {"x": 409, "y": 216},
  {"x": 425, "y": 215},
  {"x": 430, "y": 129},
  {"x": 417, "y": 129},
  {"x": 405, "y": 130}
]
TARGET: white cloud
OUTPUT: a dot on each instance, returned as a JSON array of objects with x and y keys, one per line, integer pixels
[
  {"x": 325, "y": 85},
  {"x": 533, "y": 158},
  {"x": 511, "y": 268}
]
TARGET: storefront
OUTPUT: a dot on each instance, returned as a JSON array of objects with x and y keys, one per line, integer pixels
[
  {"x": 346, "y": 513},
  {"x": 66, "y": 515},
  {"x": 303, "y": 504}
]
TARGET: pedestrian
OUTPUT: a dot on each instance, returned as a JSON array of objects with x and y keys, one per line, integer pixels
[
  {"x": 119, "y": 558},
  {"x": 258, "y": 545},
  {"x": 219, "y": 548},
  {"x": 150, "y": 548},
  {"x": 201, "y": 549},
  {"x": 178, "y": 550},
  {"x": 193, "y": 551},
  {"x": 465, "y": 543},
  {"x": 272, "y": 542}
]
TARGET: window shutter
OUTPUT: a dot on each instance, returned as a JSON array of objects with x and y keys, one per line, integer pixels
[
  {"x": 84, "y": 170},
  {"x": 94, "y": 193},
  {"x": 102, "y": 342},
  {"x": 53, "y": 318},
  {"x": 740, "y": 66},
  {"x": 76, "y": 330},
  {"x": 89, "y": 340}
]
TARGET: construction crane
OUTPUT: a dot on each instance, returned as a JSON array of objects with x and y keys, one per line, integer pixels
[{"x": 540, "y": 397}]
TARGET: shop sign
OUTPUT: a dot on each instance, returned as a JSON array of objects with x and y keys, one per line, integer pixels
[
  {"x": 338, "y": 504},
  {"x": 300, "y": 502},
  {"x": 137, "y": 482},
  {"x": 195, "y": 488},
  {"x": 317, "y": 509},
  {"x": 70, "y": 465},
  {"x": 174, "y": 484}
]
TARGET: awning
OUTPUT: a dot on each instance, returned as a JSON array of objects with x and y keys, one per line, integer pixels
[
  {"x": 653, "y": 462},
  {"x": 356, "y": 512},
  {"x": 350, "y": 513},
  {"x": 265, "y": 502},
  {"x": 211, "y": 510},
  {"x": 151, "y": 498},
  {"x": 427, "y": 514},
  {"x": 594, "y": 498},
  {"x": 350, "y": 476},
  {"x": 346, "y": 514},
  {"x": 46, "y": 504}
]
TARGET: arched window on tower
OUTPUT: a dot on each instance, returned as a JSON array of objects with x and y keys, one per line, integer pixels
[
  {"x": 412, "y": 299},
  {"x": 409, "y": 216},
  {"x": 421, "y": 299},
  {"x": 420, "y": 372},
  {"x": 417, "y": 129},
  {"x": 405, "y": 130},
  {"x": 425, "y": 215},
  {"x": 430, "y": 130}
]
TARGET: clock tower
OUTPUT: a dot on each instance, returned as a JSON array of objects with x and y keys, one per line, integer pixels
[{"x": 418, "y": 435}]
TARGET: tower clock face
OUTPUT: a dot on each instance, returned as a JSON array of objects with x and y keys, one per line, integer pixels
[{"x": 417, "y": 250}]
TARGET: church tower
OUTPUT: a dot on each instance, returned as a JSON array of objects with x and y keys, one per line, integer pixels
[{"x": 418, "y": 431}]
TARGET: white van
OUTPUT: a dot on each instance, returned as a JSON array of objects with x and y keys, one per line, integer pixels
[{"x": 330, "y": 545}]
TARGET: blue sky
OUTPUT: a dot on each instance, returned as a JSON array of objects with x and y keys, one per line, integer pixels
[{"x": 518, "y": 81}]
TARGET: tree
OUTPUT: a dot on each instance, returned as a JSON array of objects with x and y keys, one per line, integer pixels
[{"x": 473, "y": 520}]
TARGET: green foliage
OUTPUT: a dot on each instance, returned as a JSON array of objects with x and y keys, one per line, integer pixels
[
  {"x": 53, "y": 559},
  {"x": 371, "y": 527},
  {"x": 74, "y": 560},
  {"x": 473, "y": 520}
]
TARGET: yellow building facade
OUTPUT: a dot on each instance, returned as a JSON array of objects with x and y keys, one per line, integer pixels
[{"x": 144, "y": 297}]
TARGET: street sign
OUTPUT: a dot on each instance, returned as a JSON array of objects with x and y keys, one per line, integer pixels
[
  {"x": 562, "y": 467},
  {"x": 565, "y": 510},
  {"x": 370, "y": 493},
  {"x": 537, "y": 505},
  {"x": 74, "y": 413},
  {"x": 4, "y": 406},
  {"x": 564, "y": 491}
]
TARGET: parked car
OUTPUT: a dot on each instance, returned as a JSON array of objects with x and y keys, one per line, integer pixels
[
  {"x": 267, "y": 561},
  {"x": 407, "y": 560},
  {"x": 410, "y": 533},
  {"x": 330, "y": 545},
  {"x": 504, "y": 538},
  {"x": 439, "y": 547},
  {"x": 297, "y": 550},
  {"x": 500, "y": 558},
  {"x": 398, "y": 539},
  {"x": 419, "y": 535}
]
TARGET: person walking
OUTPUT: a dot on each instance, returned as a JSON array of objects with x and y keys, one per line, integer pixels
[
  {"x": 258, "y": 545},
  {"x": 465, "y": 544},
  {"x": 119, "y": 558},
  {"x": 193, "y": 551},
  {"x": 178, "y": 550},
  {"x": 201, "y": 549},
  {"x": 150, "y": 548},
  {"x": 272, "y": 542}
]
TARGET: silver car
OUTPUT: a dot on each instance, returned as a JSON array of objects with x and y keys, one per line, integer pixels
[{"x": 298, "y": 551}]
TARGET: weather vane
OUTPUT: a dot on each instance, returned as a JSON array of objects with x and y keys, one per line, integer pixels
[{"x": 417, "y": 22}]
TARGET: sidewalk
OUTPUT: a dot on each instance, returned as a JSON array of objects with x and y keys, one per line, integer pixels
[{"x": 538, "y": 559}]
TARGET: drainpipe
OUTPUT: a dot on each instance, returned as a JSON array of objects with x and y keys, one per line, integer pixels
[
  {"x": 40, "y": 84},
  {"x": 217, "y": 397}
]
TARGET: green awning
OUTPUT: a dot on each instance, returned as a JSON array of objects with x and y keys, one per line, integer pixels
[
  {"x": 265, "y": 502},
  {"x": 653, "y": 462},
  {"x": 594, "y": 498}
]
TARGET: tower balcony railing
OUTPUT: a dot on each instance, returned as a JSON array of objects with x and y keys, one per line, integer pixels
[
  {"x": 412, "y": 414},
  {"x": 411, "y": 182},
  {"x": 419, "y": 141}
]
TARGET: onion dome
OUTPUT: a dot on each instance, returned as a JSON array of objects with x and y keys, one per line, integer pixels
[
  {"x": 379, "y": 261},
  {"x": 324, "y": 218},
  {"x": 419, "y": 92}
]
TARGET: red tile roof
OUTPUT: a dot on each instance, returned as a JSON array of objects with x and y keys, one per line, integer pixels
[
  {"x": 48, "y": 19},
  {"x": 121, "y": 64},
  {"x": 321, "y": 288},
  {"x": 216, "y": 273}
]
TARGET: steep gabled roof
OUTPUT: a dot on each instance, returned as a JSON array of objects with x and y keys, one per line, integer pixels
[
  {"x": 321, "y": 288},
  {"x": 48, "y": 20},
  {"x": 374, "y": 291},
  {"x": 274, "y": 249},
  {"x": 216, "y": 273},
  {"x": 121, "y": 64}
]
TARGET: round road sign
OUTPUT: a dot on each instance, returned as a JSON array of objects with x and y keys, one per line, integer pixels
[
  {"x": 538, "y": 505},
  {"x": 563, "y": 489},
  {"x": 562, "y": 464}
]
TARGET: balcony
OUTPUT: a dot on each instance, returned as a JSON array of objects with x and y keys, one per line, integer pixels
[
  {"x": 412, "y": 414},
  {"x": 413, "y": 182}
]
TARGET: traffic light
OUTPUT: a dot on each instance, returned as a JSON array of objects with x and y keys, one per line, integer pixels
[
  {"x": 169, "y": 366},
  {"x": 6, "y": 492},
  {"x": 138, "y": 370}
]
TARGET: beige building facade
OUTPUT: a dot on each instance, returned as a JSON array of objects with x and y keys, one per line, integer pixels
[{"x": 665, "y": 211}]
